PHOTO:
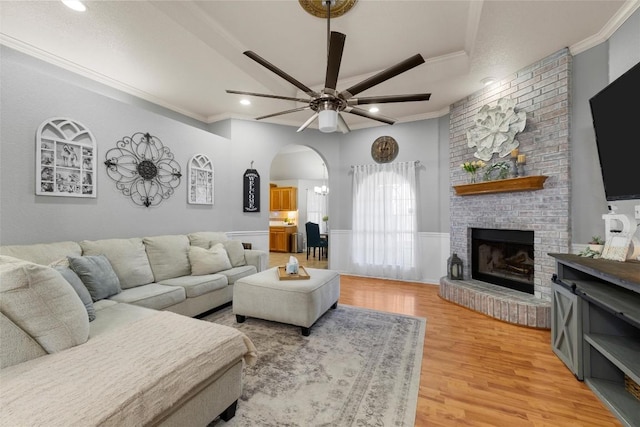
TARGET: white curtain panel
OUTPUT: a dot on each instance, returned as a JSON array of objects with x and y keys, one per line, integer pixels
[
  {"x": 384, "y": 221},
  {"x": 316, "y": 207}
]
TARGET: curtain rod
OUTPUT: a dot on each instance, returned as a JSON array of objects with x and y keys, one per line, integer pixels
[{"x": 415, "y": 161}]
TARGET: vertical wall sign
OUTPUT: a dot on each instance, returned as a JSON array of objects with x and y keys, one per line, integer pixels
[
  {"x": 65, "y": 159},
  {"x": 251, "y": 192}
]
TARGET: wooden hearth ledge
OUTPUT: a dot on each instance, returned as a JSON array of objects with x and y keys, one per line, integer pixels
[{"x": 525, "y": 183}]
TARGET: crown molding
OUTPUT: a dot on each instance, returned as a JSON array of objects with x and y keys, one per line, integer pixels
[
  {"x": 607, "y": 31},
  {"x": 92, "y": 75}
]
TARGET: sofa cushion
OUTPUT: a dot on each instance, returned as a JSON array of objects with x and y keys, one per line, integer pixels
[
  {"x": 195, "y": 286},
  {"x": 115, "y": 316},
  {"x": 235, "y": 250},
  {"x": 42, "y": 253},
  {"x": 72, "y": 278},
  {"x": 168, "y": 256},
  {"x": 96, "y": 273},
  {"x": 236, "y": 273},
  {"x": 206, "y": 239},
  {"x": 153, "y": 295},
  {"x": 127, "y": 257},
  {"x": 208, "y": 261},
  {"x": 17, "y": 346},
  {"x": 41, "y": 302}
]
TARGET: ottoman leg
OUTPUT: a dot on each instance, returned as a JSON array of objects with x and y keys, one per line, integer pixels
[
  {"x": 240, "y": 318},
  {"x": 230, "y": 412},
  {"x": 305, "y": 331},
  {"x": 335, "y": 305}
]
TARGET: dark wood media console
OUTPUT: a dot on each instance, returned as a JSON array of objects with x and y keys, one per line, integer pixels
[{"x": 595, "y": 328}]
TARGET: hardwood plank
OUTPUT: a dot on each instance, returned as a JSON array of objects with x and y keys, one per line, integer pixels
[
  {"x": 479, "y": 371},
  {"x": 476, "y": 370}
]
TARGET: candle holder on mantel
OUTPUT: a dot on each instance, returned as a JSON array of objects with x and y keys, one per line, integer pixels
[
  {"x": 521, "y": 162},
  {"x": 513, "y": 171}
]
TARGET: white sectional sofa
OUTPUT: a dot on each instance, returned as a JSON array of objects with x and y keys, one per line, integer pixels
[{"x": 139, "y": 361}]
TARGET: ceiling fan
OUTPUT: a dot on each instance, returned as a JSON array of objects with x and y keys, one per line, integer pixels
[{"x": 328, "y": 104}]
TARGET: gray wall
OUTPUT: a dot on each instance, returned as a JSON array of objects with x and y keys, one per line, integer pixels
[
  {"x": 32, "y": 94},
  {"x": 592, "y": 71},
  {"x": 424, "y": 141}
]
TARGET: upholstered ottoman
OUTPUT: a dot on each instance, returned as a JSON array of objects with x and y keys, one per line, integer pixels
[{"x": 295, "y": 302}]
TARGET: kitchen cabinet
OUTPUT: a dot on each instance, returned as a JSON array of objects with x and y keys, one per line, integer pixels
[
  {"x": 283, "y": 199},
  {"x": 600, "y": 324},
  {"x": 280, "y": 238}
]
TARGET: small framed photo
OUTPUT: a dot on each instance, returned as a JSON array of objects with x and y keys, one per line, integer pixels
[
  {"x": 65, "y": 159},
  {"x": 616, "y": 247},
  {"x": 200, "y": 180}
]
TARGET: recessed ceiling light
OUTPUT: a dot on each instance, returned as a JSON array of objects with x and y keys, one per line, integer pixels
[
  {"x": 374, "y": 109},
  {"x": 488, "y": 81},
  {"x": 75, "y": 5},
  {"x": 245, "y": 102}
]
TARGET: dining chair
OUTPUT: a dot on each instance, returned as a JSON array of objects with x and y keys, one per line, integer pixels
[{"x": 314, "y": 241}]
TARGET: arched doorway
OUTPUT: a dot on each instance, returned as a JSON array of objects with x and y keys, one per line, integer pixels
[{"x": 303, "y": 169}]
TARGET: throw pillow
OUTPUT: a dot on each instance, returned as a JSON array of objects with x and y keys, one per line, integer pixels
[
  {"x": 235, "y": 250},
  {"x": 39, "y": 301},
  {"x": 96, "y": 273},
  {"x": 208, "y": 261},
  {"x": 77, "y": 285}
]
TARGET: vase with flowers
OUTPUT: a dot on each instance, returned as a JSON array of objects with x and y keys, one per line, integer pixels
[{"x": 472, "y": 168}]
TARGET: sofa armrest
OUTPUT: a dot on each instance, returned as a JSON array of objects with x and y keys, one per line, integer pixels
[{"x": 259, "y": 259}]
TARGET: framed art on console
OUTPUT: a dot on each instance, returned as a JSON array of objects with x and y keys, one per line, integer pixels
[
  {"x": 65, "y": 159},
  {"x": 616, "y": 247}
]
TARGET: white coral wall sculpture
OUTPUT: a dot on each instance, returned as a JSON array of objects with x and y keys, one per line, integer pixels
[{"x": 495, "y": 129}]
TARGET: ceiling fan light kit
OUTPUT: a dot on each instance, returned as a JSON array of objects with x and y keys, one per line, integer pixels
[{"x": 328, "y": 104}]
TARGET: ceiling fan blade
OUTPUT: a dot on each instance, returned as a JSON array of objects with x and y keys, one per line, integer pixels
[
  {"x": 389, "y": 98},
  {"x": 308, "y": 122},
  {"x": 279, "y": 72},
  {"x": 294, "y": 110},
  {"x": 336, "y": 46},
  {"x": 368, "y": 115},
  {"x": 265, "y": 95},
  {"x": 384, "y": 75},
  {"x": 342, "y": 125}
]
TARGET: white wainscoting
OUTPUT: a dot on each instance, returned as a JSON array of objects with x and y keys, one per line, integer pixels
[
  {"x": 258, "y": 239},
  {"x": 433, "y": 250}
]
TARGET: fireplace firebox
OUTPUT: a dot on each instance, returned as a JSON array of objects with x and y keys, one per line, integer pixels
[{"x": 503, "y": 257}]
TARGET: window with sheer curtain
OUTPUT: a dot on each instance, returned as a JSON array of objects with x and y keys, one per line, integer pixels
[
  {"x": 385, "y": 221},
  {"x": 316, "y": 207}
]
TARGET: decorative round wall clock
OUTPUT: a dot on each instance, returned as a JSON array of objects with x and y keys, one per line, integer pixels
[{"x": 384, "y": 149}]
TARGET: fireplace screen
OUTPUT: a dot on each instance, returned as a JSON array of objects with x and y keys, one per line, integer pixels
[{"x": 503, "y": 257}]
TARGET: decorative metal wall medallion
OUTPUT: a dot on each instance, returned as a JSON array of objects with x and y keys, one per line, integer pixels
[
  {"x": 65, "y": 159},
  {"x": 319, "y": 9},
  {"x": 495, "y": 129},
  {"x": 200, "y": 180},
  {"x": 143, "y": 169}
]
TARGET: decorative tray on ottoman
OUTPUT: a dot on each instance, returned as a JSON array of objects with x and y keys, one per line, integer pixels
[{"x": 302, "y": 274}]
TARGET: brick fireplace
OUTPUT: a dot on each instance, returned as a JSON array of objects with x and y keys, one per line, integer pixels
[{"x": 542, "y": 90}]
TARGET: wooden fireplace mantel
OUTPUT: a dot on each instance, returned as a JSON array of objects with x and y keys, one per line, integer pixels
[{"x": 525, "y": 183}]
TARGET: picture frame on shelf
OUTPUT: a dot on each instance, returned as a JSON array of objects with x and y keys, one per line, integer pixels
[
  {"x": 65, "y": 159},
  {"x": 616, "y": 247},
  {"x": 200, "y": 180}
]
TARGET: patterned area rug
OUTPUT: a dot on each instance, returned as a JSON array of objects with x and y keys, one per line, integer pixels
[{"x": 358, "y": 367}]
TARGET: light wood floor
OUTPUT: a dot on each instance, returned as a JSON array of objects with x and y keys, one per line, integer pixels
[{"x": 478, "y": 371}]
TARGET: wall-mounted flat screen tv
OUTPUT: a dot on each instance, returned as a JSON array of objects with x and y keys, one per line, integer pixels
[{"x": 616, "y": 120}]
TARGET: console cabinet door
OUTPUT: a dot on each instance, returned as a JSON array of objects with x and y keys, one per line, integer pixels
[{"x": 566, "y": 328}]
